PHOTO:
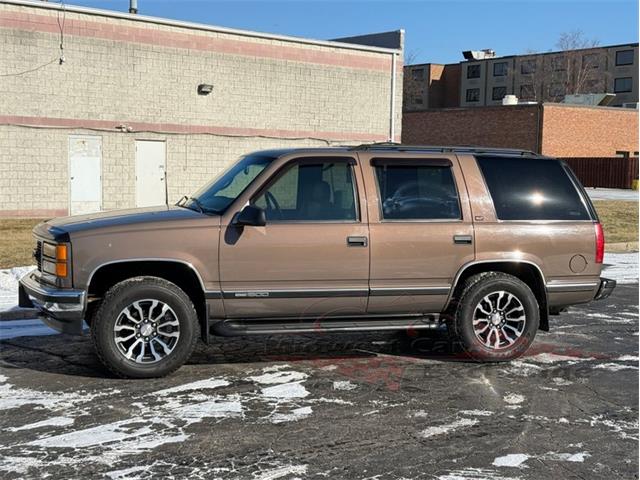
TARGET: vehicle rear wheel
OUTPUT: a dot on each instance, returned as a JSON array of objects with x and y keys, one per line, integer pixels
[
  {"x": 145, "y": 327},
  {"x": 496, "y": 318}
]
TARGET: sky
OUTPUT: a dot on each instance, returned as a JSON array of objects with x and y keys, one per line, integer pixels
[{"x": 436, "y": 31}]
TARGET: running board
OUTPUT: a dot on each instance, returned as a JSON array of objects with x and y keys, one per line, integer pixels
[{"x": 235, "y": 327}]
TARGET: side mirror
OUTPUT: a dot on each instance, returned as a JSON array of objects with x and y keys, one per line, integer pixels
[{"x": 250, "y": 215}]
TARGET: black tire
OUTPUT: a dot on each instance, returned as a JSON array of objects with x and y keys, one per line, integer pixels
[
  {"x": 476, "y": 288},
  {"x": 124, "y": 294}
]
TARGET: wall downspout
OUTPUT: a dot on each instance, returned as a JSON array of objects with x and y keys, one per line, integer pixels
[
  {"x": 539, "y": 126},
  {"x": 392, "y": 119}
]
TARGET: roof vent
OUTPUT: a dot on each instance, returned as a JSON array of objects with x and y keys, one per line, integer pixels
[{"x": 479, "y": 54}]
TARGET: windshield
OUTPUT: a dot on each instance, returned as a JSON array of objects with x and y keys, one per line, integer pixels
[{"x": 218, "y": 194}]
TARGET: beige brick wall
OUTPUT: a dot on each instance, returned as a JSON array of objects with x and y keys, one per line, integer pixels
[{"x": 121, "y": 71}]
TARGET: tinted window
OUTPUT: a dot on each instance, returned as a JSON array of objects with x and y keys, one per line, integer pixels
[
  {"x": 473, "y": 95},
  {"x": 527, "y": 67},
  {"x": 531, "y": 189},
  {"x": 319, "y": 191},
  {"x": 622, "y": 85},
  {"x": 624, "y": 57},
  {"x": 473, "y": 71},
  {"x": 500, "y": 69},
  {"x": 498, "y": 93},
  {"x": 417, "y": 192}
]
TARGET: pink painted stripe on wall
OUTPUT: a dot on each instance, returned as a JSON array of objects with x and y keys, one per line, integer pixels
[
  {"x": 95, "y": 29},
  {"x": 188, "y": 129},
  {"x": 36, "y": 213}
]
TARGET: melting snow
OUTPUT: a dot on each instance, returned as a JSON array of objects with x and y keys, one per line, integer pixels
[
  {"x": 513, "y": 399},
  {"x": 344, "y": 385},
  {"x": 9, "y": 286},
  {"x": 511, "y": 460},
  {"x": 450, "y": 427},
  {"x": 279, "y": 377},
  {"x": 622, "y": 267},
  {"x": 286, "y": 390},
  {"x": 49, "y": 422}
]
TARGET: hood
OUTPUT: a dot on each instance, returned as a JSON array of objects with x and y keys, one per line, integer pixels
[{"x": 119, "y": 218}]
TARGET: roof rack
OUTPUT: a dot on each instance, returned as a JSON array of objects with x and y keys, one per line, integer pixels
[{"x": 392, "y": 146}]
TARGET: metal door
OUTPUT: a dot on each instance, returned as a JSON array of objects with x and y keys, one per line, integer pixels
[
  {"x": 85, "y": 174},
  {"x": 151, "y": 184}
]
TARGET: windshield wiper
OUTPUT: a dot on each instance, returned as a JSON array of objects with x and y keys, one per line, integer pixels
[{"x": 195, "y": 201}]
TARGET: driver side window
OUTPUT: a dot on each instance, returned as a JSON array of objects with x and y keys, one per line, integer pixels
[
  {"x": 417, "y": 192},
  {"x": 321, "y": 190}
]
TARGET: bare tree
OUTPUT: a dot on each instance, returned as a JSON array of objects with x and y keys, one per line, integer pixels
[
  {"x": 573, "y": 69},
  {"x": 411, "y": 56}
]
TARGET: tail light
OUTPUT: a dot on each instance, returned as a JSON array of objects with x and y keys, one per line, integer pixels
[{"x": 599, "y": 243}]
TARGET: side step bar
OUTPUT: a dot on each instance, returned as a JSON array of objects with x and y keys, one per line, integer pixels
[{"x": 234, "y": 327}]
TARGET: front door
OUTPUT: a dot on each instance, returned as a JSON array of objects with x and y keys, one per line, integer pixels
[
  {"x": 151, "y": 183},
  {"x": 312, "y": 256},
  {"x": 420, "y": 230},
  {"x": 85, "y": 174}
]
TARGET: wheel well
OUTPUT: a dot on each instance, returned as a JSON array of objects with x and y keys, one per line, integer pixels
[
  {"x": 526, "y": 272},
  {"x": 178, "y": 273}
]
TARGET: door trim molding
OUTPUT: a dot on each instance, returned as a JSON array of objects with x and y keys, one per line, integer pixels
[{"x": 340, "y": 292}]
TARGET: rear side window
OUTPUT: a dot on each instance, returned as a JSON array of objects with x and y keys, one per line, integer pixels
[
  {"x": 531, "y": 189},
  {"x": 417, "y": 192}
]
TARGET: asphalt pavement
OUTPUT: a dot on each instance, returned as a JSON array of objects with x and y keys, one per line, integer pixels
[{"x": 357, "y": 406}]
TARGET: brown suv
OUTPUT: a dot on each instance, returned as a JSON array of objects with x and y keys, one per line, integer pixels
[{"x": 376, "y": 237}]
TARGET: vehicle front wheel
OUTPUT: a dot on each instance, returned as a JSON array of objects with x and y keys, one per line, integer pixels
[
  {"x": 145, "y": 327},
  {"x": 496, "y": 318}
]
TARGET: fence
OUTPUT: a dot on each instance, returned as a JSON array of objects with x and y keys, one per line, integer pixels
[{"x": 613, "y": 172}]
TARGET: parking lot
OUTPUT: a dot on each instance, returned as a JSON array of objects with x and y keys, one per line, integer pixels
[{"x": 352, "y": 406}]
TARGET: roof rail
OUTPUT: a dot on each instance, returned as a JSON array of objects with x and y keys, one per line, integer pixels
[{"x": 391, "y": 146}]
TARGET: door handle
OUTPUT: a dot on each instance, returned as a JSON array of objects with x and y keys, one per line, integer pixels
[
  {"x": 463, "y": 239},
  {"x": 357, "y": 241}
]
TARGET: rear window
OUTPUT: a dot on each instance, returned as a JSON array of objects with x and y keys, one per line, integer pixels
[{"x": 531, "y": 189}]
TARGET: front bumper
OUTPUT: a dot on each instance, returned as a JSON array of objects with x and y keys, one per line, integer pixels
[
  {"x": 60, "y": 308},
  {"x": 605, "y": 289}
]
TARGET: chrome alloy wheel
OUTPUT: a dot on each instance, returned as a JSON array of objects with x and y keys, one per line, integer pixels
[
  {"x": 147, "y": 331},
  {"x": 499, "y": 320}
]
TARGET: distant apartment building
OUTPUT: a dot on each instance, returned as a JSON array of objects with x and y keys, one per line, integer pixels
[{"x": 483, "y": 79}]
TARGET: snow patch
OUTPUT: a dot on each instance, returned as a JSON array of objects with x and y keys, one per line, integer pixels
[
  {"x": 286, "y": 390},
  {"x": 621, "y": 267},
  {"x": 9, "y": 278},
  {"x": 344, "y": 385},
  {"x": 49, "y": 422},
  {"x": 281, "y": 472},
  {"x": 293, "y": 416},
  {"x": 450, "y": 427},
  {"x": 209, "y": 383},
  {"x": 553, "y": 358},
  {"x": 615, "y": 367},
  {"x": 477, "y": 413},
  {"x": 279, "y": 377},
  {"x": 513, "y": 398},
  {"x": 511, "y": 460}
]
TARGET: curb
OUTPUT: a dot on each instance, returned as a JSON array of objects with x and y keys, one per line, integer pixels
[
  {"x": 621, "y": 247},
  {"x": 19, "y": 314}
]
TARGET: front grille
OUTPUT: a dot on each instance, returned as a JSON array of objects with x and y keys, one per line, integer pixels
[{"x": 37, "y": 254}]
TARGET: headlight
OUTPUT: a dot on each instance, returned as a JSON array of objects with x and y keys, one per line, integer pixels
[{"x": 55, "y": 259}]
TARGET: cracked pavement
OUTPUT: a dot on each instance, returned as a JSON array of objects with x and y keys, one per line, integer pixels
[{"x": 383, "y": 406}]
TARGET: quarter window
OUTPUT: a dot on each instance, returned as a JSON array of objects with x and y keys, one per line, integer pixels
[
  {"x": 500, "y": 69},
  {"x": 624, "y": 57},
  {"x": 311, "y": 190},
  {"x": 473, "y": 71},
  {"x": 473, "y": 95},
  {"x": 531, "y": 189},
  {"x": 417, "y": 192},
  {"x": 622, "y": 85}
]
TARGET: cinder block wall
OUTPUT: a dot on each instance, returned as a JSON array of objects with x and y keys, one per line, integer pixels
[{"x": 267, "y": 93}]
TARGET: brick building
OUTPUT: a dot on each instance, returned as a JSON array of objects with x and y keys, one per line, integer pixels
[
  {"x": 485, "y": 79},
  {"x": 554, "y": 129},
  {"x": 126, "y": 120}
]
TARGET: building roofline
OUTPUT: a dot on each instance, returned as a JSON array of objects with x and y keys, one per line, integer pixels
[
  {"x": 532, "y": 54},
  {"x": 195, "y": 26}
]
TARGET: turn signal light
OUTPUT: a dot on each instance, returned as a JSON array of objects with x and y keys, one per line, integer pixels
[
  {"x": 61, "y": 269},
  {"x": 61, "y": 253}
]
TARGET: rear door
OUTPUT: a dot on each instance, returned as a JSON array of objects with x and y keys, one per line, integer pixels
[
  {"x": 312, "y": 256},
  {"x": 421, "y": 231}
]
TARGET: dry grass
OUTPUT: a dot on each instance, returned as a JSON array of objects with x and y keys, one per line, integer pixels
[
  {"x": 619, "y": 220},
  {"x": 16, "y": 244}
]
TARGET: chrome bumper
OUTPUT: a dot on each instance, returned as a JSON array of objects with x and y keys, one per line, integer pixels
[
  {"x": 606, "y": 287},
  {"x": 60, "y": 309}
]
